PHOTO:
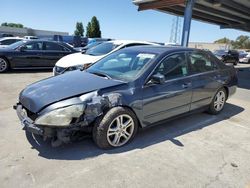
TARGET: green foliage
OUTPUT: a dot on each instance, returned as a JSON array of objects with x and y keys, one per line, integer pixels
[
  {"x": 79, "y": 29},
  {"x": 223, "y": 41},
  {"x": 17, "y": 25},
  {"x": 241, "y": 42},
  {"x": 93, "y": 28}
]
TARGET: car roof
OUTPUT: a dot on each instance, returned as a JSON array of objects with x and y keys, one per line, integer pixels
[
  {"x": 7, "y": 38},
  {"x": 159, "y": 49},
  {"x": 124, "y": 42}
]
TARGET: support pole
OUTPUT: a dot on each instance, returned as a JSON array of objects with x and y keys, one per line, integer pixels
[{"x": 187, "y": 22}]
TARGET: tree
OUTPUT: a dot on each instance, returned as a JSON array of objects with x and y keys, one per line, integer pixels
[
  {"x": 95, "y": 25},
  {"x": 241, "y": 42},
  {"x": 89, "y": 31},
  {"x": 93, "y": 28},
  {"x": 17, "y": 25},
  {"x": 79, "y": 29},
  {"x": 223, "y": 41}
]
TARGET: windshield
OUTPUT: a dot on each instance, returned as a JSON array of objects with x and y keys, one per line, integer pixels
[
  {"x": 101, "y": 49},
  {"x": 125, "y": 66},
  {"x": 16, "y": 45}
]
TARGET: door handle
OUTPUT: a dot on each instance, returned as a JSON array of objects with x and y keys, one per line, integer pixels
[{"x": 186, "y": 85}]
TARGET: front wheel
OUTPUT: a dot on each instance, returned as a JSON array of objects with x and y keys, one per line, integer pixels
[
  {"x": 4, "y": 65},
  {"x": 218, "y": 102},
  {"x": 116, "y": 128}
]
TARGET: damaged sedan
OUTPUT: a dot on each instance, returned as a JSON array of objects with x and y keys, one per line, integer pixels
[{"x": 129, "y": 89}]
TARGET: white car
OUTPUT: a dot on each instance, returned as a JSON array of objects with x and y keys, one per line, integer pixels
[
  {"x": 30, "y": 37},
  {"x": 82, "y": 60},
  {"x": 6, "y": 41},
  {"x": 244, "y": 57}
]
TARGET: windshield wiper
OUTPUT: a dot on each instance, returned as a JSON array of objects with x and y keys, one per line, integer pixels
[{"x": 101, "y": 74}]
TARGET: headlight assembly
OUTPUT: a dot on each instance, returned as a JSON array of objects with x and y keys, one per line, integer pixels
[{"x": 62, "y": 116}]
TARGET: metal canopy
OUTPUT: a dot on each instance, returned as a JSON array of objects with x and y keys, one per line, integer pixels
[{"x": 225, "y": 13}]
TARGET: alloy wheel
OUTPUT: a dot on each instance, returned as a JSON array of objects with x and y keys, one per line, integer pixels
[
  {"x": 219, "y": 101},
  {"x": 3, "y": 65},
  {"x": 120, "y": 130}
]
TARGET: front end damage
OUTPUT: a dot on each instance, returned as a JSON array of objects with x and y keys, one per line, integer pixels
[{"x": 93, "y": 106}]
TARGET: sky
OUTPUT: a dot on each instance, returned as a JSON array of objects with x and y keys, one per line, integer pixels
[{"x": 119, "y": 19}]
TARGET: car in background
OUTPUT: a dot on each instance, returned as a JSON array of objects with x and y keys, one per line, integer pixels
[
  {"x": 91, "y": 45},
  {"x": 227, "y": 56},
  {"x": 32, "y": 54},
  {"x": 6, "y": 35},
  {"x": 244, "y": 57},
  {"x": 129, "y": 89},
  {"x": 6, "y": 41},
  {"x": 30, "y": 37},
  {"x": 82, "y": 60}
]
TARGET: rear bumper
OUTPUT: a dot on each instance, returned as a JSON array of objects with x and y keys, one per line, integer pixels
[{"x": 26, "y": 122}]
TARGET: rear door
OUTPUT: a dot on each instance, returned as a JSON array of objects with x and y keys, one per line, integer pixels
[
  {"x": 52, "y": 52},
  {"x": 161, "y": 101},
  {"x": 205, "y": 76}
]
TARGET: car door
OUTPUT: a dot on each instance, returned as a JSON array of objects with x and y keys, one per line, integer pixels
[
  {"x": 52, "y": 52},
  {"x": 28, "y": 55},
  {"x": 205, "y": 73},
  {"x": 173, "y": 97}
]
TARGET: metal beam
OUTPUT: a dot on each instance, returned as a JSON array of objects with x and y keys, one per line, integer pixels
[
  {"x": 159, "y": 4},
  {"x": 187, "y": 22}
]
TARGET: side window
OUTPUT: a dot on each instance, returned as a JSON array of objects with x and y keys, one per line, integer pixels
[
  {"x": 200, "y": 62},
  {"x": 174, "y": 66},
  {"x": 33, "y": 46},
  {"x": 50, "y": 46}
]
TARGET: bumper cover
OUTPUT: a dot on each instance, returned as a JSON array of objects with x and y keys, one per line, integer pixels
[{"x": 26, "y": 122}]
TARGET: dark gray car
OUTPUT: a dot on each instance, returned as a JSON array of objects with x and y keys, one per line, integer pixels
[{"x": 134, "y": 87}]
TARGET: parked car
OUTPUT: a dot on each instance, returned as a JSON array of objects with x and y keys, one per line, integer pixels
[
  {"x": 6, "y": 41},
  {"x": 30, "y": 37},
  {"x": 228, "y": 56},
  {"x": 91, "y": 45},
  {"x": 131, "y": 88},
  {"x": 244, "y": 57},
  {"x": 6, "y": 35},
  {"x": 83, "y": 60},
  {"x": 32, "y": 53}
]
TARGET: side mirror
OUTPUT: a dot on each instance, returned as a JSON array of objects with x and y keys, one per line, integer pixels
[
  {"x": 22, "y": 49},
  {"x": 157, "y": 79}
]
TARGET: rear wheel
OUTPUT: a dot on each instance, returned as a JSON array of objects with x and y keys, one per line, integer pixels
[
  {"x": 218, "y": 102},
  {"x": 4, "y": 65},
  {"x": 117, "y": 127}
]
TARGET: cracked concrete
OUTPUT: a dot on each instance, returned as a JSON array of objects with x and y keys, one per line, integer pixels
[{"x": 194, "y": 151}]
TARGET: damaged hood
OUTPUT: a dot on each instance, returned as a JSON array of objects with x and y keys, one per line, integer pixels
[
  {"x": 43, "y": 93},
  {"x": 77, "y": 59}
]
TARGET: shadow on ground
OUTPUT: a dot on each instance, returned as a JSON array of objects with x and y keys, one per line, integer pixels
[
  {"x": 168, "y": 131},
  {"x": 17, "y": 71}
]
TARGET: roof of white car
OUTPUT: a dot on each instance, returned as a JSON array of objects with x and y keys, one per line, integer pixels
[
  {"x": 130, "y": 41},
  {"x": 7, "y": 38}
]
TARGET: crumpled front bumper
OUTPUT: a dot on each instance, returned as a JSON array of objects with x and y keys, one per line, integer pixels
[{"x": 27, "y": 123}]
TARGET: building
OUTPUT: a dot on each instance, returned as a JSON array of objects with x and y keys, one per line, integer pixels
[
  {"x": 21, "y": 32},
  {"x": 209, "y": 46}
]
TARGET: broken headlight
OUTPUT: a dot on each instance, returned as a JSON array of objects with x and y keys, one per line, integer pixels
[{"x": 62, "y": 116}]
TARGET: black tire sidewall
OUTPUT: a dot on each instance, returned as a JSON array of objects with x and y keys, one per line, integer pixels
[{"x": 101, "y": 126}]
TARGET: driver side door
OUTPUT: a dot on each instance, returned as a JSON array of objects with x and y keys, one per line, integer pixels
[{"x": 171, "y": 98}]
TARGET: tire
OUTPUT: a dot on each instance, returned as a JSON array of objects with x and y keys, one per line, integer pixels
[
  {"x": 218, "y": 102},
  {"x": 108, "y": 132},
  {"x": 4, "y": 65}
]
